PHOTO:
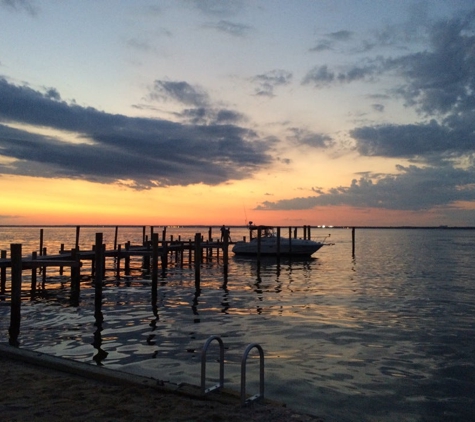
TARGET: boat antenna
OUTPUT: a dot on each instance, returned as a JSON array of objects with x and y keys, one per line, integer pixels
[{"x": 245, "y": 213}]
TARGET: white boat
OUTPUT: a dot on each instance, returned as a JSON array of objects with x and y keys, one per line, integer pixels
[{"x": 268, "y": 244}]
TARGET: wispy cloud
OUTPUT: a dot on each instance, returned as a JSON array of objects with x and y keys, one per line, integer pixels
[
  {"x": 230, "y": 28},
  {"x": 28, "y": 6},
  {"x": 267, "y": 82}
]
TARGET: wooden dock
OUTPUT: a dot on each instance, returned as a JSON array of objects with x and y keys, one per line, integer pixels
[{"x": 155, "y": 255}]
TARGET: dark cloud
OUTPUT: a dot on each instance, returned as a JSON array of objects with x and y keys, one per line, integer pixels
[
  {"x": 203, "y": 111},
  {"x": 413, "y": 189},
  {"x": 28, "y": 6},
  {"x": 340, "y": 35},
  {"x": 305, "y": 137},
  {"x": 441, "y": 79},
  {"x": 439, "y": 83},
  {"x": 321, "y": 76},
  {"x": 413, "y": 141},
  {"x": 180, "y": 91},
  {"x": 145, "y": 152},
  {"x": 267, "y": 82}
]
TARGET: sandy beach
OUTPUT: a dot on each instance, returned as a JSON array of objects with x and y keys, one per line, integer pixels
[{"x": 37, "y": 387}]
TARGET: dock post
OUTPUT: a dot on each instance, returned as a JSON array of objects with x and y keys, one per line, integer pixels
[
  {"x": 154, "y": 269},
  {"x": 41, "y": 241},
  {"x": 61, "y": 251},
  {"x": 116, "y": 236},
  {"x": 75, "y": 278},
  {"x": 278, "y": 242},
  {"x": 146, "y": 257},
  {"x": 104, "y": 266},
  {"x": 16, "y": 277},
  {"x": 190, "y": 252},
  {"x": 78, "y": 230},
  {"x": 353, "y": 242},
  {"x": 43, "y": 283},
  {"x": 225, "y": 253},
  {"x": 197, "y": 260},
  {"x": 117, "y": 263},
  {"x": 34, "y": 256},
  {"x": 164, "y": 256},
  {"x": 3, "y": 273},
  {"x": 99, "y": 258},
  {"x": 127, "y": 260},
  {"x": 209, "y": 253}
]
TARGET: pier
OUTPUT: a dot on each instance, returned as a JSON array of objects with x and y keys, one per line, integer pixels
[{"x": 148, "y": 260}]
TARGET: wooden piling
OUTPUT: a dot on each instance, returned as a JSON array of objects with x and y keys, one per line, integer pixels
[
  {"x": 278, "y": 242},
  {"x": 353, "y": 242},
  {"x": 117, "y": 262},
  {"x": 43, "y": 271},
  {"x": 197, "y": 260},
  {"x": 78, "y": 230},
  {"x": 34, "y": 256},
  {"x": 41, "y": 241},
  {"x": 155, "y": 260},
  {"x": 127, "y": 260},
  {"x": 225, "y": 253},
  {"x": 61, "y": 250},
  {"x": 75, "y": 278},
  {"x": 146, "y": 258},
  {"x": 164, "y": 257},
  {"x": 116, "y": 236},
  {"x": 154, "y": 272},
  {"x": 99, "y": 259},
  {"x": 16, "y": 278}
]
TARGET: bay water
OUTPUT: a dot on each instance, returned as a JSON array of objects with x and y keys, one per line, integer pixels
[{"x": 384, "y": 334}]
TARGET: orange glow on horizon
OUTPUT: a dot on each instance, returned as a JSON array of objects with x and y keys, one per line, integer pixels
[{"x": 35, "y": 201}]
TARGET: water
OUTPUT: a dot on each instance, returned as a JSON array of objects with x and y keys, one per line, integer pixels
[{"x": 386, "y": 335}]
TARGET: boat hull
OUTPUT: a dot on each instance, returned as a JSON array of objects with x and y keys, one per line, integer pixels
[{"x": 269, "y": 247}]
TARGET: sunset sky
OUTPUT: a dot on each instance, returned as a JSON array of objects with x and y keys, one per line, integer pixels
[{"x": 335, "y": 112}]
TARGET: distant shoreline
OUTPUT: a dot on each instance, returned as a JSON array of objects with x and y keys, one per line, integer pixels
[{"x": 237, "y": 226}]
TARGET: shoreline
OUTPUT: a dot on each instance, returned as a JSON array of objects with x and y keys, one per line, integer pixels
[{"x": 40, "y": 387}]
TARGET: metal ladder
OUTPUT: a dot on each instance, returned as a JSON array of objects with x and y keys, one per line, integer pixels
[{"x": 220, "y": 385}]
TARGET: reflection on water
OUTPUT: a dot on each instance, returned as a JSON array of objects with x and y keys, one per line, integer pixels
[{"x": 384, "y": 334}]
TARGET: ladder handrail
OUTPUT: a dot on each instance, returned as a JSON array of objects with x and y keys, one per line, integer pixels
[
  {"x": 220, "y": 385},
  {"x": 245, "y": 401}
]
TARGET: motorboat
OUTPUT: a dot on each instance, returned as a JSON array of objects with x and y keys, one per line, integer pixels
[{"x": 268, "y": 243}]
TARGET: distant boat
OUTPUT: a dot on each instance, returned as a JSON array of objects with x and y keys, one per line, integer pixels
[{"x": 268, "y": 244}]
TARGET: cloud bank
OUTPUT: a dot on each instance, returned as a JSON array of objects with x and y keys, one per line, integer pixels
[
  {"x": 140, "y": 153},
  {"x": 439, "y": 83}
]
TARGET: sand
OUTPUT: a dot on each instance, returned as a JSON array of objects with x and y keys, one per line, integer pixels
[{"x": 37, "y": 387}]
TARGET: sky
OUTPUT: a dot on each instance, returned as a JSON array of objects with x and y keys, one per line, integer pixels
[{"x": 178, "y": 112}]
